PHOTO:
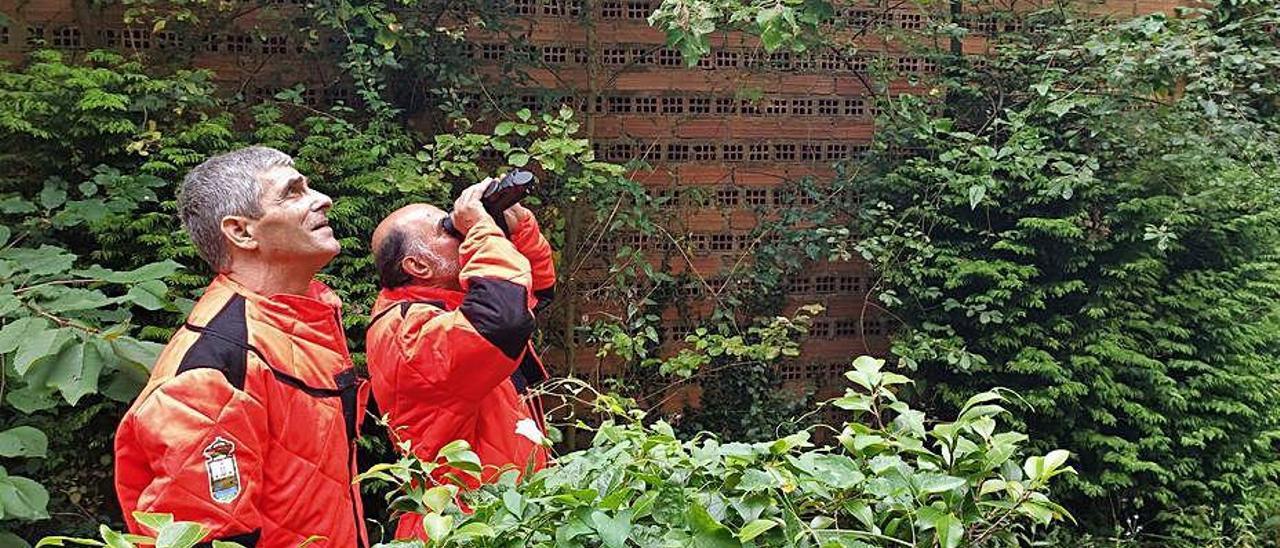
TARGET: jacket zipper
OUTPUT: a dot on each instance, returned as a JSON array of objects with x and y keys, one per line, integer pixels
[{"x": 352, "y": 429}]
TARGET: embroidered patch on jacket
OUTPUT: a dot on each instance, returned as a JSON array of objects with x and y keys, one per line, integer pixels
[
  {"x": 224, "y": 473},
  {"x": 529, "y": 429}
]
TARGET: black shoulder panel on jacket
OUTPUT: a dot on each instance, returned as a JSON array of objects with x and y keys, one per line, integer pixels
[
  {"x": 499, "y": 310},
  {"x": 222, "y": 345}
]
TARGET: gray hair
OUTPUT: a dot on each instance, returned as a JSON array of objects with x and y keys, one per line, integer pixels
[
  {"x": 395, "y": 248},
  {"x": 224, "y": 185}
]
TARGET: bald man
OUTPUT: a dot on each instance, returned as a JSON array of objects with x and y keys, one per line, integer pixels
[{"x": 448, "y": 344}]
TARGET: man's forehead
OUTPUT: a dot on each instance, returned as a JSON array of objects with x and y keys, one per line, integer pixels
[
  {"x": 406, "y": 219},
  {"x": 279, "y": 175}
]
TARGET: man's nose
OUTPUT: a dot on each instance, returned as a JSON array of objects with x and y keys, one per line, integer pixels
[{"x": 322, "y": 201}]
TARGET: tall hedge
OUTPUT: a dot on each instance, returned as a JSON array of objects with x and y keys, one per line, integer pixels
[{"x": 1091, "y": 219}]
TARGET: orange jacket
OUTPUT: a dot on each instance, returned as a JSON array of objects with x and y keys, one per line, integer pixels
[
  {"x": 448, "y": 365},
  {"x": 248, "y": 423}
]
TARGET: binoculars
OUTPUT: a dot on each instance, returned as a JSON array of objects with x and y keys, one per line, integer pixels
[{"x": 500, "y": 195}]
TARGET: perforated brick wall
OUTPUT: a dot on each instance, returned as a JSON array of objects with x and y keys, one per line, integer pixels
[{"x": 739, "y": 125}]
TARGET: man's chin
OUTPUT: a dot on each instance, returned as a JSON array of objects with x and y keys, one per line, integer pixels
[
  {"x": 325, "y": 251},
  {"x": 332, "y": 249}
]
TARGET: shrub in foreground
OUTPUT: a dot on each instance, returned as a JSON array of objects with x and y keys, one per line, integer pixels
[{"x": 892, "y": 478}]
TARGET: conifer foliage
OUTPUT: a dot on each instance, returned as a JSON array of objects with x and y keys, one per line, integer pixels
[{"x": 1091, "y": 220}]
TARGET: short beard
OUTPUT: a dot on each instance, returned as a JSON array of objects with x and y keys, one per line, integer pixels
[{"x": 443, "y": 272}]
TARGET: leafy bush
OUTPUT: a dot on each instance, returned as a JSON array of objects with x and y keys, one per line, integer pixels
[
  {"x": 893, "y": 478},
  {"x": 1088, "y": 216},
  {"x": 1110, "y": 257},
  {"x": 69, "y": 335}
]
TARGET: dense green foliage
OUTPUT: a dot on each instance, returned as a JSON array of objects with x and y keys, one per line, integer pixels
[
  {"x": 894, "y": 478},
  {"x": 1089, "y": 217},
  {"x": 1104, "y": 244},
  {"x": 69, "y": 324},
  {"x": 97, "y": 144},
  {"x": 891, "y": 480}
]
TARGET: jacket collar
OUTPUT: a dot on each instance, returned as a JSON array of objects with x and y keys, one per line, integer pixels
[
  {"x": 314, "y": 317},
  {"x": 449, "y": 299}
]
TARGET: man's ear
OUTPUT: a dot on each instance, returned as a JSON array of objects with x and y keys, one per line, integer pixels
[
  {"x": 239, "y": 230},
  {"x": 417, "y": 267}
]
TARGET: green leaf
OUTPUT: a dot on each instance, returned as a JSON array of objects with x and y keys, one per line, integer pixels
[
  {"x": 52, "y": 196},
  {"x": 180, "y": 534},
  {"x": 772, "y": 37},
  {"x": 4, "y": 235},
  {"x": 30, "y": 399},
  {"x": 438, "y": 498},
  {"x": 862, "y": 512},
  {"x": 152, "y": 521},
  {"x": 513, "y": 502},
  {"x": 980, "y": 398},
  {"x": 23, "y": 498},
  {"x": 143, "y": 353},
  {"x": 993, "y": 486},
  {"x": 1059, "y": 108},
  {"x": 837, "y": 471},
  {"x": 23, "y": 441},
  {"x": 10, "y": 540},
  {"x": 709, "y": 532},
  {"x": 458, "y": 454},
  {"x": 313, "y": 539},
  {"x": 911, "y": 421},
  {"x": 113, "y": 538},
  {"x": 19, "y": 330},
  {"x": 61, "y": 367},
  {"x": 385, "y": 38},
  {"x": 153, "y": 271},
  {"x": 99, "y": 99},
  {"x": 76, "y": 370},
  {"x": 1043, "y": 468},
  {"x": 437, "y": 526},
  {"x": 44, "y": 261},
  {"x": 473, "y": 530},
  {"x": 614, "y": 530},
  {"x": 755, "y": 529},
  {"x": 976, "y": 193},
  {"x": 950, "y": 532},
  {"x": 866, "y": 372},
  {"x": 149, "y": 294},
  {"x": 1056, "y": 459},
  {"x": 759, "y": 480},
  {"x": 42, "y": 345},
  {"x": 8, "y": 302},
  {"x": 62, "y": 541},
  {"x": 518, "y": 159},
  {"x": 751, "y": 506},
  {"x": 940, "y": 484},
  {"x": 71, "y": 299}
]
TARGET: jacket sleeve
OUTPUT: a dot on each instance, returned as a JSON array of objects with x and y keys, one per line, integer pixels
[
  {"x": 203, "y": 441},
  {"x": 530, "y": 242},
  {"x": 481, "y": 343}
]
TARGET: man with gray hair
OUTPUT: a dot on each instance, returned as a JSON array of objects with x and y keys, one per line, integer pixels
[{"x": 248, "y": 423}]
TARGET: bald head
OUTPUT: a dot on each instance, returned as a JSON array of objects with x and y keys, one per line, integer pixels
[{"x": 409, "y": 247}]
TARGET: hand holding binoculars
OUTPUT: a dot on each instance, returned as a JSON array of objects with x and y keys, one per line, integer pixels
[{"x": 497, "y": 198}]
